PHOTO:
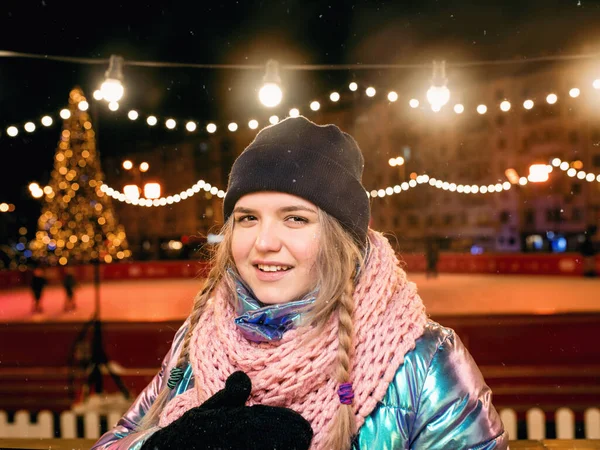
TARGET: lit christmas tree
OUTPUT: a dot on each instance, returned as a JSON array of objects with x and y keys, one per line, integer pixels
[{"x": 78, "y": 224}]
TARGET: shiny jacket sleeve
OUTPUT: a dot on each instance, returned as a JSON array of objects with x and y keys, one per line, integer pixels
[
  {"x": 124, "y": 435},
  {"x": 436, "y": 400},
  {"x": 454, "y": 409}
]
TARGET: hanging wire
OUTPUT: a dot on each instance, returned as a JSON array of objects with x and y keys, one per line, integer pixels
[{"x": 357, "y": 66}]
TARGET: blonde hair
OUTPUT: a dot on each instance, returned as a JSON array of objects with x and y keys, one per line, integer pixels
[{"x": 339, "y": 260}]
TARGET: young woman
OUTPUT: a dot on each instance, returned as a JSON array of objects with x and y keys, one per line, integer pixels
[{"x": 312, "y": 305}]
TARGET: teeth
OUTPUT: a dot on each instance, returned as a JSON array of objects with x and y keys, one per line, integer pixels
[{"x": 265, "y": 268}]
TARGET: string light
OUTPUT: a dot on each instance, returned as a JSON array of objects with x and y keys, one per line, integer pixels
[
  {"x": 551, "y": 99},
  {"x": 270, "y": 94},
  {"x": 112, "y": 89},
  {"x": 438, "y": 94},
  {"x": 7, "y": 207},
  {"x": 505, "y": 106},
  {"x": 414, "y": 103},
  {"x": 537, "y": 172}
]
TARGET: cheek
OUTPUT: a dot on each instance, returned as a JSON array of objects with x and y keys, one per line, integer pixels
[
  {"x": 239, "y": 247},
  {"x": 309, "y": 252}
]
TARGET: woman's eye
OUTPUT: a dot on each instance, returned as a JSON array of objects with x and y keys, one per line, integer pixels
[
  {"x": 246, "y": 218},
  {"x": 297, "y": 219}
]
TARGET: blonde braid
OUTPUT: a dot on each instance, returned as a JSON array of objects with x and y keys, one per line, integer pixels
[
  {"x": 343, "y": 426},
  {"x": 152, "y": 416},
  {"x": 221, "y": 260}
]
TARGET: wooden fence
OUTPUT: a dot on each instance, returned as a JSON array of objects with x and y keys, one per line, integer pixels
[{"x": 67, "y": 427}]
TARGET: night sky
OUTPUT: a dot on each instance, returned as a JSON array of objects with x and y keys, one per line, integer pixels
[{"x": 243, "y": 32}]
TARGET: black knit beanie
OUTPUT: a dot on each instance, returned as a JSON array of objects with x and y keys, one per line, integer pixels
[{"x": 319, "y": 163}]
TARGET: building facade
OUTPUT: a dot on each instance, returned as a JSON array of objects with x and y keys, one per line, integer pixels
[{"x": 468, "y": 148}]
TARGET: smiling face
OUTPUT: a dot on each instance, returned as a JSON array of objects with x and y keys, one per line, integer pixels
[{"x": 275, "y": 244}]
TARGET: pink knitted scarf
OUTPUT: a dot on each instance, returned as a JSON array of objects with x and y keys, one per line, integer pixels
[{"x": 389, "y": 316}]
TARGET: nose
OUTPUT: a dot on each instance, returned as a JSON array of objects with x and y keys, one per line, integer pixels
[{"x": 267, "y": 239}]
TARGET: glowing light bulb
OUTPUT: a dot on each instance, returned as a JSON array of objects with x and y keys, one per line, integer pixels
[
  {"x": 112, "y": 90},
  {"x": 270, "y": 95},
  {"x": 438, "y": 96}
]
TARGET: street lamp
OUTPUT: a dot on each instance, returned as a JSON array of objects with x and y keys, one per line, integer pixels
[
  {"x": 132, "y": 192},
  {"x": 538, "y": 173}
]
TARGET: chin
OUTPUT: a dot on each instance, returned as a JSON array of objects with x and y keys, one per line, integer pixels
[
  {"x": 272, "y": 299},
  {"x": 276, "y": 296}
]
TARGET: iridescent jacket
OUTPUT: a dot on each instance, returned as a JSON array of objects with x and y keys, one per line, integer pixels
[{"x": 437, "y": 400}]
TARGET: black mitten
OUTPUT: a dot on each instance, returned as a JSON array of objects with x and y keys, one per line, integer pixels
[{"x": 223, "y": 423}]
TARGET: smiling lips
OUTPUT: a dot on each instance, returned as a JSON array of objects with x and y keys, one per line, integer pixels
[
  {"x": 270, "y": 268},
  {"x": 266, "y": 272}
]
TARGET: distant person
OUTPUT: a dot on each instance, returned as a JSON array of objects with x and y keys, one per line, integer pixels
[
  {"x": 588, "y": 250},
  {"x": 69, "y": 283},
  {"x": 38, "y": 282},
  {"x": 432, "y": 255}
]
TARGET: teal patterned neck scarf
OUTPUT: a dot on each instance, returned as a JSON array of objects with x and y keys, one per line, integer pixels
[{"x": 265, "y": 323}]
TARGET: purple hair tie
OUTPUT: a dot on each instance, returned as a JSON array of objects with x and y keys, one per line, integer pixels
[{"x": 346, "y": 393}]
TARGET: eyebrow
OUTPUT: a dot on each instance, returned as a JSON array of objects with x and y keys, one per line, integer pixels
[{"x": 285, "y": 209}]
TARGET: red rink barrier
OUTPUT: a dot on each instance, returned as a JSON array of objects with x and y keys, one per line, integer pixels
[
  {"x": 120, "y": 271},
  {"x": 566, "y": 264}
]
